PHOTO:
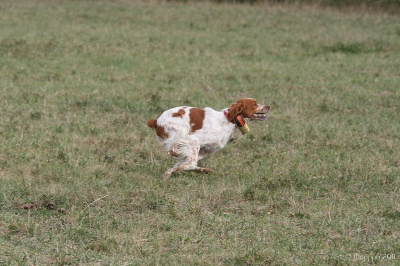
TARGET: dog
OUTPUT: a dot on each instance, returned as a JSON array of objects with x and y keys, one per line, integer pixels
[{"x": 190, "y": 133}]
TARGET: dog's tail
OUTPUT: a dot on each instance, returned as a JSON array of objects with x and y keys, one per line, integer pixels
[{"x": 152, "y": 123}]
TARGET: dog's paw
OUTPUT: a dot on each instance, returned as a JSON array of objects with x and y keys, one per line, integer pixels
[
  {"x": 203, "y": 170},
  {"x": 173, "y": 151},
  {"x": 167, "y": 174}
]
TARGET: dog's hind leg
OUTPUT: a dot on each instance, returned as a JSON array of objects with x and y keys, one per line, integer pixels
[
  {"x": 190, "y": 164},
  {"x": 186, "y": 152},
  {"x": 179, "y": 150}
]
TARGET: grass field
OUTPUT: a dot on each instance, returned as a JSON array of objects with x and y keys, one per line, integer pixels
[{"x": 80, "y": 173}]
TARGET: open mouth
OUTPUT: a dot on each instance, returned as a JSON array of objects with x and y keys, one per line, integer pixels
[
  {"x": 259, "y": 116},
  {"x": 261, "y": 113}
]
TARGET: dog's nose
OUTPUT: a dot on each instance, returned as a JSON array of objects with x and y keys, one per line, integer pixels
[{"x": 267, "y": 107}]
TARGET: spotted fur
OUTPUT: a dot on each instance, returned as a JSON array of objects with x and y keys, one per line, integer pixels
[{"x": 190, "y": 133}]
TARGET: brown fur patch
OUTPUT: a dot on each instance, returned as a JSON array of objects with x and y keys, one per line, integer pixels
[
  {"x": 152, "y": 123},
  {"x": 180, "y": 113},
  {"x": 250, "y": 107},
  {"x": 161, "y": 132},
  {"x": 245, "y": 107},
  {"x": 196, "y": 116}
]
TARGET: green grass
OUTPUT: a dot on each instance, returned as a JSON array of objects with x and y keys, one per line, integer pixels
[{"x": 80, "y": 174}]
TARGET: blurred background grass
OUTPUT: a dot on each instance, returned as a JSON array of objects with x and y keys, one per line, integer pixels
[
  {"x": 327, "y": 3},
  {"x": 317, "y": 184}
]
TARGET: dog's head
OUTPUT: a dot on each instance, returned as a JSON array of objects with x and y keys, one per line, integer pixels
[{"x": 248, "y": 108}]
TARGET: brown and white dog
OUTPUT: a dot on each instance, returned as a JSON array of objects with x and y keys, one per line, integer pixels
[{"x": 190, "y": 133}]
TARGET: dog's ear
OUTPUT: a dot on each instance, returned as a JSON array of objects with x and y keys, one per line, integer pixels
[{"x": 234, "y": 110}]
